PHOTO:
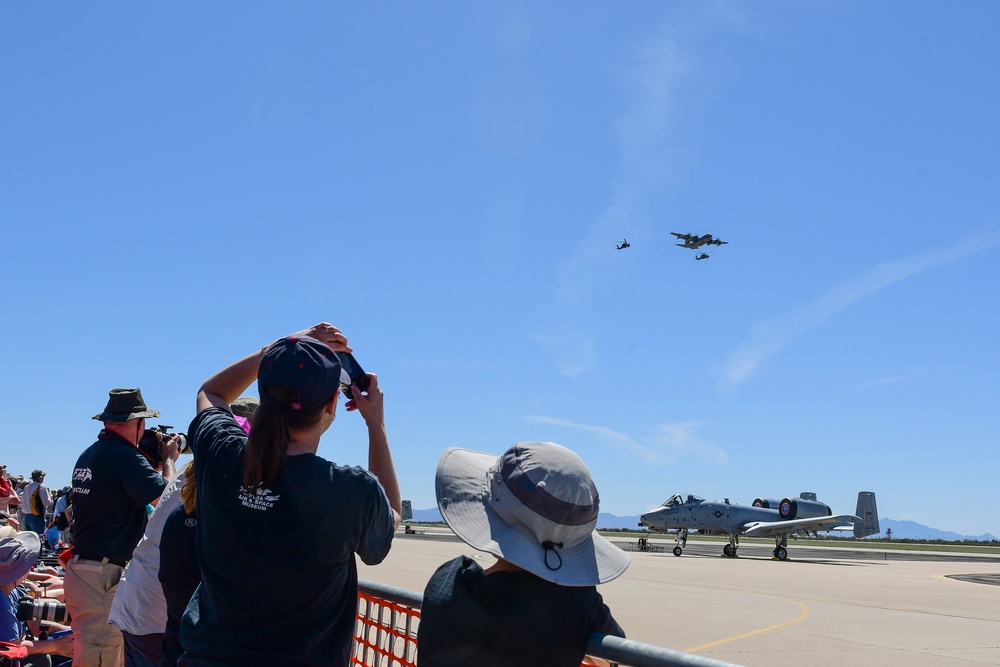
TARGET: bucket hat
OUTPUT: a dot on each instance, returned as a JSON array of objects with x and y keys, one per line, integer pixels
[
  {"x": 37, "y": 475},
  {"x": 302, "y": 363},
  {"x": 535, "y": 506},
  {"x": 125, "y": 405},
  {"x": 245, "y": 406},
  {"x": 18, "y": 553}
]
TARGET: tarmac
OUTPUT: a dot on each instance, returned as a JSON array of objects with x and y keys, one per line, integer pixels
[{"x": 821, "y": 607}]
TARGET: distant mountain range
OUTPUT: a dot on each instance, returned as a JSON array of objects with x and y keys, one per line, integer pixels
[
  {"x": 911, "y": 530},
  {"x": 901, "y": 530}
]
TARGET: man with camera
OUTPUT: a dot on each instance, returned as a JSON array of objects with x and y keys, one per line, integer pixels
[
  {"x": 18, "y": 553},
  {"x": 113, "y": 482}
]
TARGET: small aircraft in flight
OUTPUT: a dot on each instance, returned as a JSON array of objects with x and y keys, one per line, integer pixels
[
  {"x": 694, "y": 241},
  {"x": 625, "y": 244},
  {"x": 703, "y": 255},
  {"x": 767, "y": 517}
]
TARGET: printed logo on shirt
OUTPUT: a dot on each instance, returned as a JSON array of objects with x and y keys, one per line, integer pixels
[
  {"x": 82, "y": 475},
  {"x": 190, "y": 523},
  {"x": 261, "y": 499}
]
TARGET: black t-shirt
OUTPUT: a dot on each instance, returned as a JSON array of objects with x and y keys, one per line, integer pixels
[
  {"x": 278, "y": 576},
  {"x": 179, "y": 576},
  {"x": 506, "y": 619},
  {"x": 112, "y": 484}
]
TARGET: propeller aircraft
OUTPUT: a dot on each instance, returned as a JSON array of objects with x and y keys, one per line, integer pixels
[{"x": 693, "y": 241}]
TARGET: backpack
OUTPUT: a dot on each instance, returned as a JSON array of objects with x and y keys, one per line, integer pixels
[{"x": 35, "y": 505}]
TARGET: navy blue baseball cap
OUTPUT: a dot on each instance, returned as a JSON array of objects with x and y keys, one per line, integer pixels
[{"x": 304, "y": 364}]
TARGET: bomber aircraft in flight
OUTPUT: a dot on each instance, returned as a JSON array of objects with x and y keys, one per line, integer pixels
[
  {"x": 767, "y": 517},
  {"x": 694, "y": 241}
]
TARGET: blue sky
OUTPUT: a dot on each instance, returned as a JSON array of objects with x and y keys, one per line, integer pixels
[{"x": 182, "y": 183}]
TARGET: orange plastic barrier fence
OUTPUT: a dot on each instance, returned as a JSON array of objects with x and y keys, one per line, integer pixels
[{"x": 385, "y": 633}]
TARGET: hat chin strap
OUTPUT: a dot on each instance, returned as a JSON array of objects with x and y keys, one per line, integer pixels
[{"x": 550, "y": 547}]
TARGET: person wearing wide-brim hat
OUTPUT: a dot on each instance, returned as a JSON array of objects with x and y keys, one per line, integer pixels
[
  {"x": 18, "y": 553},
  {"x": 243, "y": 409},
  {"x": 535, "y": 509},
  {"x": 113, "y": 482}
]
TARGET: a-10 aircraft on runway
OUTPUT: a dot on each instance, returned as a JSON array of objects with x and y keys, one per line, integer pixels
[{"x": 767, "y": 517}]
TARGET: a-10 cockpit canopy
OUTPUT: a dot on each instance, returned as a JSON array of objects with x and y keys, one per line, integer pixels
[{"x": 681, "y": 499}]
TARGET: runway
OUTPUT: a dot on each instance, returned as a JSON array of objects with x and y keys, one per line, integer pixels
[{"x": 822, "y": 607}]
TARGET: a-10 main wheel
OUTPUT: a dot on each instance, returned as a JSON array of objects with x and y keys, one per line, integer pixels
[
  {"x": 728, "y": 550},
  {"x": 678, "y": 551},
  {"x": 781, "y": 553}
]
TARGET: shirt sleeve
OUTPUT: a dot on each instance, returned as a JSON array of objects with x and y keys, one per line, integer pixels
[
  {"x": 212, "y": 428},
  {"x": 139, "y": 480},
  {"x": 605, "y": 622},
  {"x": 379, "y": 528}
]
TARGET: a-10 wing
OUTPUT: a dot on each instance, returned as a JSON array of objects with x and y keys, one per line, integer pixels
[{"x": 772, "y": 528}]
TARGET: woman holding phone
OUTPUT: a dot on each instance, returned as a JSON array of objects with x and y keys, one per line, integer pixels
[{"x": 272, "y": 514}]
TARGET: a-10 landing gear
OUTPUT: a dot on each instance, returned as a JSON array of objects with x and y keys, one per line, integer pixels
[
  {"x": 780, "y": 547},
  {"x": 681, "y": 541},
  {"x": 730, "y": 549}
]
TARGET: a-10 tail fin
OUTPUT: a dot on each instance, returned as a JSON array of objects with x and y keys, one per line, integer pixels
[{"x": 869, "y": 513}]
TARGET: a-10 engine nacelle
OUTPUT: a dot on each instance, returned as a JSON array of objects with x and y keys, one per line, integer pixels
[{"x": 795, "y": 508}]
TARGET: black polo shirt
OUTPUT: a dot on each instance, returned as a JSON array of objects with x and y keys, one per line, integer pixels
[{"x": 112, "y": 484}]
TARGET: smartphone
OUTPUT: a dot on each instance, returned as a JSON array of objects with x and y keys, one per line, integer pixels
[{"x": 351, "y": 374}]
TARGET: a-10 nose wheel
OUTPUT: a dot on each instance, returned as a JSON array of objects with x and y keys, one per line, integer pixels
[{"x": 681, "y": 541}]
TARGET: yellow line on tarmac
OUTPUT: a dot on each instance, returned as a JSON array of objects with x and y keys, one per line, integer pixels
[{"x": 801, "y": 617}]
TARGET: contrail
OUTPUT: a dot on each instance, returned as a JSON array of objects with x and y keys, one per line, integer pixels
[{"x": 771, "y": 336}]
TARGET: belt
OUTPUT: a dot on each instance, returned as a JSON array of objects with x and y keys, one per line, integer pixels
[{"x": 120, "y": 562}]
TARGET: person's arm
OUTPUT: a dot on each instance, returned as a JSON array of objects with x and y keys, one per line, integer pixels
[
  {"x": 171, "y": 450},
  {"x": 60, "y": 646},
  {"x": 371, "y": 406},
  {"x": 220, "y": 390}
]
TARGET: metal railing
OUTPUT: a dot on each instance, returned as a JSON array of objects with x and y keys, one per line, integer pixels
[{"x": 389, "y": 617}]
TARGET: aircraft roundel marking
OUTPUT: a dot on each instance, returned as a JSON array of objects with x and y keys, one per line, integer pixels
[{"x": 718, "y": 513}]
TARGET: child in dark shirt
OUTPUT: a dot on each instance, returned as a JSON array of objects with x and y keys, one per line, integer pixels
[{"x": 535, "y": 508}]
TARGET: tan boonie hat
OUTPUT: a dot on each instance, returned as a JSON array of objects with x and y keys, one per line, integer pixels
[{"x": 125, "y": 405}]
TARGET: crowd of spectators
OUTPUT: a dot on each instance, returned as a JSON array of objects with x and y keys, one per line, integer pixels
[{"x": 160, "y": 567}]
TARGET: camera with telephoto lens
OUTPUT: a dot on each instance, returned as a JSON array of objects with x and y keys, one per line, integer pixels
[
  {"x": 42, "y": 610},
  {"x": 151, "y": 443}
]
